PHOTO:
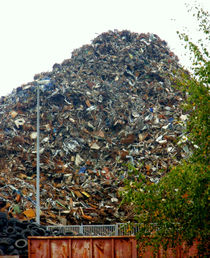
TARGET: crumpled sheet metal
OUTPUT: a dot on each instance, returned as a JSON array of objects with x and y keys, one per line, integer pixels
[{"x": 112, "y": 102}]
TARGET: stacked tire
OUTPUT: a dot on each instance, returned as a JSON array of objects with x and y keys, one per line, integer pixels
[{"x": 14, "y": 234}]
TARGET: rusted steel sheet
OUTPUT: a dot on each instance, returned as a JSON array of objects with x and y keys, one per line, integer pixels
[
  {"x": 82, "y": 247},
  {"x": 9, "y": 256},
  {"x": 180, "y": 251}
]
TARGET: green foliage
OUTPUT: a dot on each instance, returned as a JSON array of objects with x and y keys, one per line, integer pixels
[
  {"x": 197, "y": 89},
  {"x": 177, "y": 207}
]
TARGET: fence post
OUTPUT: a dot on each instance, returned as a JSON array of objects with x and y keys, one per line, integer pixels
[
  {"x": 116, "y": 230},
  {"x": 81, "y": 229}
]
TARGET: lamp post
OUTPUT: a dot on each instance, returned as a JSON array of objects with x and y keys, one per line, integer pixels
[
  {"x": 38, "y": 161},
  {"x": 43, "y": 83}
]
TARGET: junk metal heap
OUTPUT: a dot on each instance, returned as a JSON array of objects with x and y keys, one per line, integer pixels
[{"x": 111, "y": 103}]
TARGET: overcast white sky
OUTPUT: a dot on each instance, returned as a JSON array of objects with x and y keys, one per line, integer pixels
[{"x": 35, "y": 34}]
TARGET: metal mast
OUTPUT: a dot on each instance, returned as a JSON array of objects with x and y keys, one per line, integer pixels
[{"x": 38, "y": 161}]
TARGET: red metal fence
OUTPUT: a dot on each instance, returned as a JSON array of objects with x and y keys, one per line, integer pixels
[
  {"x": 180, "y": 251},
  {"x": 82, "y": 247},
  {"x": 101, "y": 247}
]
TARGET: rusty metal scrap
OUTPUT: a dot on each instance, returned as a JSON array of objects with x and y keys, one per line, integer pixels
[{"x": 112, "y": 102}]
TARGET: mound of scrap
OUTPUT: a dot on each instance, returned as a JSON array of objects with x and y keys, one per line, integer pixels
[{"x": 111, "y": 103}]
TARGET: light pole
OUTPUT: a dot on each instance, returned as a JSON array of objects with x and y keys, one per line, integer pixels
[
  {"x": 38, "y": 161},
  {"x": 43, "y": 82}
]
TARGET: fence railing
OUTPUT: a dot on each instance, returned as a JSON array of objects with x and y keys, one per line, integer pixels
[{"x": 119, "y": 229}]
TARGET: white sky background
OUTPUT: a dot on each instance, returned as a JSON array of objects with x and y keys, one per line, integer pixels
[{"x": 36, "y": 34}]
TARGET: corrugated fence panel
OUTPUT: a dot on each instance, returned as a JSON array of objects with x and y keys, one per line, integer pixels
[
  {"x": 82, "y": 247},
  {"x": 101, "y": 247}
]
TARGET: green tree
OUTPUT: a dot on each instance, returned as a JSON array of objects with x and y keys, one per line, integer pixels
[{"x": 176, "y": 209}]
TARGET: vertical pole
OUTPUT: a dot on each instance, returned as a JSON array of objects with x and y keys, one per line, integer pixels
[
  {"x": 37, "y": 163},
  {"x": 81, "y": 229},
  {"x": 116, "y": 230}
]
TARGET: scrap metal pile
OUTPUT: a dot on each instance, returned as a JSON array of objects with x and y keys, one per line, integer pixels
[{"x": 111, "y": 103}]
